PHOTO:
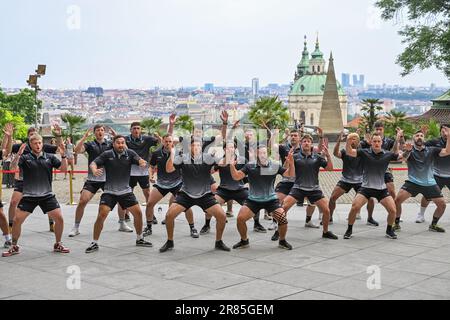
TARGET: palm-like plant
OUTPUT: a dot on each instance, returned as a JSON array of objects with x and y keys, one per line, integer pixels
[
  {"x": 397, "y": 119},
  {"x": 371, "y": 108},
  {"x": 270, "y": 112},
  {"x": 152, "y": 125},
  {"x": 74, "y": 123},
  {"x": 184, "y": 122}
]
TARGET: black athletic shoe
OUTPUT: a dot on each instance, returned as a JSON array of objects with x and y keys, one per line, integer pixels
[
  {"x": 372, "y": 222},
  {"x": 194, "y": 233},
  {"x": 221, "y": 246},
  {"x": 283, "y": 244},
  {"x": 92, "y": 247},
  {"x": 329, "y": 235},
  {"x": 167, "y": 246},
  {"x": 163, "y": 221},
  {"x": 205, "y": 229},
  {"x": 397, "y": 227},
  {"x": 242, "y": 244},
  {"x": 259, "y": 228},
  {"x": 276, "y": 236},
  {"x": 155, "y": 221},
  {"x": 143, "y": 243},
  {"x": 391, "y": 234},
  {"x": 348, "y": 235},
  {"x": 147, "y": 231}
]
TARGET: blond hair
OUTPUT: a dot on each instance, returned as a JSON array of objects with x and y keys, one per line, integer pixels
[{"x": 35, "y": 136}]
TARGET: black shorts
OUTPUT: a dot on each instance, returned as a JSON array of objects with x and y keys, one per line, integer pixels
[
  {"x": 1, "y": 204},
  {"x": 18, "y": 185},
  {"x": 284, "y": 187},
  {"x": 442, "y": 182},
  {"x": 143, "y": 181},
  {"x": 204, "y": 202},
  {"x": 125, "y": 201},
  {"x": 348, "y": 186},
  {"x": 47, "y": 203},
  {"x": 93, "y": 186},
  {"x": 374, "y": 193},
  {"x": 256, "y": 206},
  {"x": 237, "y": 195},
  {"x": 173, "y": 190},
  {"x": 430, "y": 192},
  {"x": 388, "y": 177},
  {"x": 312, "y": 196}
]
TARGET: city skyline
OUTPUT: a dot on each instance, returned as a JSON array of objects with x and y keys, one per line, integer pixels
[{"x": 177, "y": 43}]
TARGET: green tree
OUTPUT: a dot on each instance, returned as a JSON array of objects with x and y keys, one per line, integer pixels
[
  {"x": 20, "y": 128},
  {"x": 425, "y": 32},
  {"x": 270, "y": 112},
  {"x": 184, "y": 122},
  {"x": 433, "y": 128},
  {"x": 370, "y": 109},
  {"x": 152, "y": 125},
  {"x": 396, "y": 119},
  {"x": 73, "y": 123},
  {"x": 22, "y": 103}
]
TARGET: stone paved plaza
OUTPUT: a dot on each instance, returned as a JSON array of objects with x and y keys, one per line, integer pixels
[{"x": 416, "y": 266}]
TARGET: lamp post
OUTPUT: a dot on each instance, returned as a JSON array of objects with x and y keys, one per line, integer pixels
[{"x": 32, "y": 82}]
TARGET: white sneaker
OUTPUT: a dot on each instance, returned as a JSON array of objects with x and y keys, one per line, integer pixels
[
  {"x": 74, "y": 232},
  {"x": 273, "y": 225},
  {"x": 267, "y": 216},
  {"x": 124, "y": 227},
  {"x": 310, "y": 224},
  {"x": 420, "y": 218}
]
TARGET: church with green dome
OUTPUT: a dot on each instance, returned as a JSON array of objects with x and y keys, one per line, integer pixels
[{"x": 306, "y": 94}]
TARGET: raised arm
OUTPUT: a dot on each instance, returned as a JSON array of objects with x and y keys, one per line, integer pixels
[
  {"x": 349, "y": 150},
  {"x": 329, "y": 166},
  {"x": 172, "y": 119},
  {"x": 236, "y": 174},
  {"x": 289, "y": 164},
  {"x": 398, "y": 140},
  {"x": 224, "y": 118},
  {"x": 16, "y": 159},
  {"x": 8, "y": 131},
  {"x": 407, "y": 149},
  {"x": 169, "y": 164},
  {"x": 446, "y": 152},
  {"x": 62, "y": 151},
  {"x": 58, "y": 134},
  {"x": 336, "y": 150},
  {"x": 79, "y": 148}
]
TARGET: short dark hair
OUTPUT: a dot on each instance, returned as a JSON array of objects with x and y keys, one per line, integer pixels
[
  {"x": 135, "y": 124},
  {"x": 30, "y": 129},
  {"x": 374, "y": 134},
  {"x": 118, "y": 137},
  {"x": 445, "y": 125},
  {"x": 378, "y": 124},
  {"x": 293, "y": 131},
  {"x": 98, "y": 126},
  {"x": 307, "y": 136},
  {"x": 166, "y": 135}
]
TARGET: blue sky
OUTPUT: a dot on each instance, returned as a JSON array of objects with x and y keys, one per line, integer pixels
[{"x": 146, "y": 43}]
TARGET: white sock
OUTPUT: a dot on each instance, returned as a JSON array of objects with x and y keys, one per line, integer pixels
[
  {"x": 77, "y": 225},
  {"x": 422, "y": 210},
  {"x": 139, "y": 236},
  {"x": 7, "y": 237}
]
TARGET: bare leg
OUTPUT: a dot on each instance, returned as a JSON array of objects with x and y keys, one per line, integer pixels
[
  {"x": 335, "y": 195},
  {"x": 323, "y": 206},
  {"x": 19, "y": 219},
  {"x": 154, "y": 197},
  {"x": 402, "y": 196},
  {"x": 389, "y": 204},
  {"x": 217, "y": 212},
  {"x": 14, "y": 202},
  {"x": 174, "y": 210},
  {"x": 244, "y": 215},
  {"x": 137, "y": 218},
  {"x": 85, "y": 197},
  {"x": 57, "y": 217},
  {"x": 103, "y": 212}
]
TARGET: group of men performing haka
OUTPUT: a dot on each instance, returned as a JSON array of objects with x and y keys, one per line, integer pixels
[{"x": 117, "y": 166}]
